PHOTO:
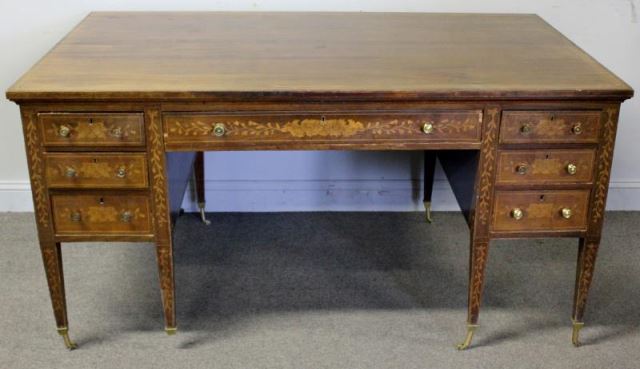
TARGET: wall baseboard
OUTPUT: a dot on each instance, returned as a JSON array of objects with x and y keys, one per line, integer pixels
[
  {"x": 344, "y": 195},
  {"x": 15, "y": 196}
]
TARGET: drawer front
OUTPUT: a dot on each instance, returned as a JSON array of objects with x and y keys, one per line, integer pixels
[
  {"x": 550, "y": 127},
  {"x": 525, "y": 211},
  {"x": 526, "y": 167},
  {"x": 81, "y": 129},
  {"x": 85, "y": 214},
  {"x": 96, "y": 170},
  {"x": 224, "y": 130}
]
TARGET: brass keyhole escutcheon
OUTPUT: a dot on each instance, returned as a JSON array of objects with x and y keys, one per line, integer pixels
[
  {"x": 427, "y": 128},
  {"x": 219, "y": 129}
]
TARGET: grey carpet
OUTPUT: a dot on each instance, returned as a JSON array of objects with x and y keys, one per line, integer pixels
[{"x": 321, "y": 290}]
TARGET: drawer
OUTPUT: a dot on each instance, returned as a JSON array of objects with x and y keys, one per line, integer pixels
[
  {"x": 550, "y": 127},
  {"x": 92, "y": 129},
  {"x": 96, "y": 170},
  {"x": 527, "y": 167},
  {"x": 225, "y": 130},
  {"x": 523, "y": 211},
  {"x": 86, "y": 214}
]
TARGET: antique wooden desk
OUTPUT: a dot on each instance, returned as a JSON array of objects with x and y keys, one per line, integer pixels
[{"x": 523, "y": 121}]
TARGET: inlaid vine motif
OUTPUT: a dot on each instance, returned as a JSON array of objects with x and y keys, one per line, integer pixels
[
  {"x": 586, "y": 267},
  {"x": 604, "y": 166},
  {"x": 36, "y": 166},
  {"x": 156, "y": 163},
  {"x": 479, "y": 262},
  {"x": 329, "y": 127},
  {"x": 487, "y": 163}
]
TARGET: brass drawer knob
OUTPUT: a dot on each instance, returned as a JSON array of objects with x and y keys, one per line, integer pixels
[
  {"x": 525, "y": 129},
  {"x": 64, "y": 131},
  {"x": 566, "y": 213},
  {"x": 577, "y": 129},
  {"x": 117, "y": 132},
  {"x": 427, "y": 128},
  {"x": 70, "y": 172},
  {"x": 219, "y": 129},
  {"x": 126, "y": 217},
  {"x": 572, "y": 169},
  {"x": 522, "y": 169},
  {"x": 121, "y": 172},
  {"x": 517, "y": 213},
  {"x": 75, "y": 216}
]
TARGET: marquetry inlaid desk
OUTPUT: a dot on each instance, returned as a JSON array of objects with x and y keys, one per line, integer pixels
[{"x": 522, "y": 120}]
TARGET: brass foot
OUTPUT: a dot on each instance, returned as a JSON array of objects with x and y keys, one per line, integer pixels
[
  {"x": 203, "y": 216},
  {"x": 427, "y": 208},
  {"x": 171, "y": 331},
  {"x": 575, "y": 335},
  {"x": 467, "y": 341},
  {"x": 64, "y": 332}
]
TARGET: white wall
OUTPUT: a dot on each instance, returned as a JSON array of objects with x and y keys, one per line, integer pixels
[{"x": 607, "y": 29}]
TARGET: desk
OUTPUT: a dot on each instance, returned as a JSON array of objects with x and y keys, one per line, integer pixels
[{"x": 523, "y": 121}]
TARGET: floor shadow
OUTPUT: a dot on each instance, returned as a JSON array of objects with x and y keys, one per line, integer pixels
[{"x": 244, "y": 265}]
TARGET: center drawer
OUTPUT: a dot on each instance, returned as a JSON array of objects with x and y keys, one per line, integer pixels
[
  {"x": 96, "y": 170},
  {"x": 225, "y": 130}
]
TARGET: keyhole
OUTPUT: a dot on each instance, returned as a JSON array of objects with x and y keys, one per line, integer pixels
[
  {"x": 546, "y": 156},
  {"x": 541, "y": 198},
  {"x": 322, "y": 119},
  {"x": 101, "y": 201},
  {"x": 95, "y": 160},
  {"x": 90, "y": 120}
]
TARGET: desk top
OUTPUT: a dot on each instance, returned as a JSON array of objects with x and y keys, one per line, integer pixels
[{"x": 351, "y": 56}]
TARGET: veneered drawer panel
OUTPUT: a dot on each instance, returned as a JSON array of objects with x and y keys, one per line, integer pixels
[
  {"x": 87, "y": 214},
  {"x": 526, "y": 167},
  {"x": 96, "y": 170},
  {"x": 547, "y": 210},
  {"x": 221, "y": 129},
  {"x": 92, "y": 129},
  {"x": 550, "y": 126}
]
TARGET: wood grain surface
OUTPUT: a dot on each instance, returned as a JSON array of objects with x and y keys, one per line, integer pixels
[{"x": 173, "y": 55}]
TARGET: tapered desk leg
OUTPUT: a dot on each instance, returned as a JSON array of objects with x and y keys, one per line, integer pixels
[
  {"x": 480, "y": 219},
  {"x": 587, "y": 253},
  {"x": 429, "y": 170},
  {"x": 198, "y": 174},
  {"x": 51, "y": 250},
  {"x": 52, "y": 259},
  {"x": 162, "y": 223},
  {"x": 477, "y": 265},
  {"x": 588, "y": 246}
]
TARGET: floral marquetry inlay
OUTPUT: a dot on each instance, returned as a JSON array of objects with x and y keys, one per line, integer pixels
[
  {"x": 36, "y": 167},
  {"x": 604, "y": 166},
  {"x": 457, "y": 124},
  {"x": 487, "y": 167}
]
